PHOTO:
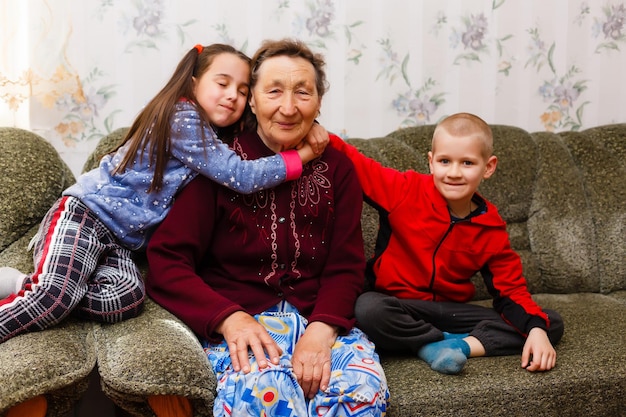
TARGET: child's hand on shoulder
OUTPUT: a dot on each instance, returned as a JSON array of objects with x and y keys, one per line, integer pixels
[
  {"x": 313, "y": 144},
  {"x": 538, "y": 353},
  {"x": 317, "y": 138}
]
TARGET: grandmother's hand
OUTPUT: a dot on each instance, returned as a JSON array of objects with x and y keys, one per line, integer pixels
[
  {"x": 311, "y": 357},
  {"x": 241, "y": 331}
]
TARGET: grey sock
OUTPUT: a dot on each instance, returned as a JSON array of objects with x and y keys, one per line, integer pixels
[{"x": 11, "y": 281}]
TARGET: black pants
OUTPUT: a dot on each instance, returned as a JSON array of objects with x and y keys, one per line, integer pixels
[{"x": 397, "y": 325}]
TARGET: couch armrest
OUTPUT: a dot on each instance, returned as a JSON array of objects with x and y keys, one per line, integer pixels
[
  {"x": 55, "y": 362},
  {"x": 153, "y": 354}
]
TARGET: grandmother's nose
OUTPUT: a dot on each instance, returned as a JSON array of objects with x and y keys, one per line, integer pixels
[{"x": 288, "y": 104}]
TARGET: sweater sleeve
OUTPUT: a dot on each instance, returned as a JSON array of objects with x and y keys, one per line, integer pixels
[
  {"x": 175, "y": 254},
  {"x": 293, "y": 164},
  {"x": 385, "y": 186},
  {"x": 504, "y": 278},
  {"x": 216, "y": 161}
]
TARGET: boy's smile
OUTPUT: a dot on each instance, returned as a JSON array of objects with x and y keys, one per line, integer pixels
[{"x": 458, "y": 166}]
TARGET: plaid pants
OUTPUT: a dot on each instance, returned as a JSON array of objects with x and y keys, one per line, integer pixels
[{"x": 80, "y": 268}]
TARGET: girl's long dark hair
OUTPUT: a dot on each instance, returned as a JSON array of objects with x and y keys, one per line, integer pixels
[{"x": 151, "y": 128}]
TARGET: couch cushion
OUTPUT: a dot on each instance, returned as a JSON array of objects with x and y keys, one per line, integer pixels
[
  {"x": 599, "y": 156},
  {"x": 17, "y": 255},
  {"x": 106, "y": 145},
  {"x": 561, "y": 223},
  {"x": 55, "y": 362},
  {"x": 579, "y": 210},
  {"x": 589, "y": 379},
  {"x": 152, "y": 354},
  {"x": 33, "y": 177}
]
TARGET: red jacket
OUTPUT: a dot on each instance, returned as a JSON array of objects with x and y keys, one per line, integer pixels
[{"x": 424, "y": 254}]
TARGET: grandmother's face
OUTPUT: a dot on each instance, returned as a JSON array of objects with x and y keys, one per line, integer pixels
[{"x": 285, "y": 101}]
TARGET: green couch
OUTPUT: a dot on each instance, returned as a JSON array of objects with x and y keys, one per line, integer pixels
[{"x": 564, "y": 202}]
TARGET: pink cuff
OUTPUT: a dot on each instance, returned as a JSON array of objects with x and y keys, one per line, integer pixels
[{"x": 293, "y": 164}]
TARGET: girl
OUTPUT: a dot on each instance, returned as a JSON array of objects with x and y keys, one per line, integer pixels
[{"x": 83, "y": 250}]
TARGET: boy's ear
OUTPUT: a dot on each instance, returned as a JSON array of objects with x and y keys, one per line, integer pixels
[
  {"x": 490, "y": 167},
  {"x": 430, "y": 161}
]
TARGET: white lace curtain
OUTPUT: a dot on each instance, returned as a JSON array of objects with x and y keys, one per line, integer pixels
[{"x": 73, "y": 71}]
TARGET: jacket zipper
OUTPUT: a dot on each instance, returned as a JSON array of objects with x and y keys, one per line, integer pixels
[{"x": 432, "y": 277}]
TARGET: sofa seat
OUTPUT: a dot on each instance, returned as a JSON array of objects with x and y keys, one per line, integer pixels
[{"x": 589, "y": 379}]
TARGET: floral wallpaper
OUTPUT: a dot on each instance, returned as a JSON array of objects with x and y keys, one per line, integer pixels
[{"x": 74, "y": 71}]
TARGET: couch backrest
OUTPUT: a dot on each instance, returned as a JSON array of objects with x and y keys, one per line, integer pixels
[
  {"x": 560, "y": 194},
  {"x": 106, "y": 145},
  {"x": 33, "y": 177}
]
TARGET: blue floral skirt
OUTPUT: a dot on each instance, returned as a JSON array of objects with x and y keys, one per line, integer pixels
[{"x": 357, "y": 385}]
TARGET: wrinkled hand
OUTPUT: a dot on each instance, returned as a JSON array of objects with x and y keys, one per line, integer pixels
[
  {"x": 538, "y": 353},
  {"x": 311, "y": 358},
  {"x": 242, "y": 332}
]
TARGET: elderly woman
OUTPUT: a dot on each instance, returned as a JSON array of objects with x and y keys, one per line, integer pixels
[{"x": 269, "y": 281}]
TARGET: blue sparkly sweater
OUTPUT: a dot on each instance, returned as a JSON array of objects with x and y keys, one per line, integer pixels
[{"x": 122, "y": 201}]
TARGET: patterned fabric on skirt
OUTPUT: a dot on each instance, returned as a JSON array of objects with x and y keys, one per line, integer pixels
[{"x": 357, "y": 385}]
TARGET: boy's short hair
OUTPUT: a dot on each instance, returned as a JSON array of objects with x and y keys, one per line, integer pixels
[{"x": 466, "y": 124}]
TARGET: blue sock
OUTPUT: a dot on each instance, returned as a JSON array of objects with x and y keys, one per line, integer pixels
[
  {"x": 447, "y": 335},
  {"x": 446, "y": 356}
]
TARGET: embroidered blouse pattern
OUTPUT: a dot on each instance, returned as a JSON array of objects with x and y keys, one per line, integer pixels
[{"x": 306, "y": 195}]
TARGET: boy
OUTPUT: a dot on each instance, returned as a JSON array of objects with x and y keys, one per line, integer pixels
[{"x": 438, "y": 231}]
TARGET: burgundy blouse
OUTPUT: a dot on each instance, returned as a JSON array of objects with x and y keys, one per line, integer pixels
[{"x": 218, "y": 251}]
